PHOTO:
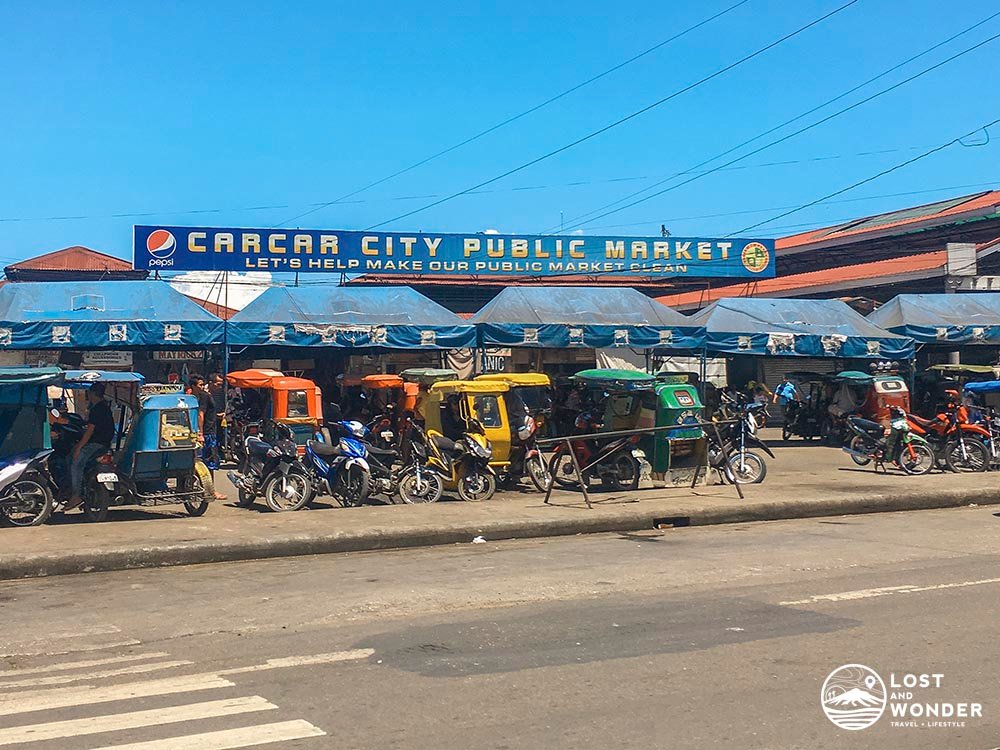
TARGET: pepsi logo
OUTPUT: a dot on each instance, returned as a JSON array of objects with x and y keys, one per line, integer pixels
[{"x": 161, "y": 244}]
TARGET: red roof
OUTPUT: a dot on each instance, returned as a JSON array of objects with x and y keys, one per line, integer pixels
[
  {"x": 813, "y": 282},
  {"x": 927, "y": 216},
  {"x": 908, "y": 267},
  {"x": 219, "y": 311},
  {"x": 76, "y": 258}
]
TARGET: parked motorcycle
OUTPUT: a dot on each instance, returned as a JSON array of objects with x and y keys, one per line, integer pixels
[
  {"x": 733, "y": 458},
  {"x": 26, "y": 491},
  {"x": 271, "y": 471},
  {"x": 615, "y": 463},
  {"x": 463, "y": 464},
  {"x": 909, "y": 451},
  {"x": 340, "y": 468},
  {"x": 525, "y": 457},
  {"x": 958, "y": 443},
  {"x": 411, "y": 482}
]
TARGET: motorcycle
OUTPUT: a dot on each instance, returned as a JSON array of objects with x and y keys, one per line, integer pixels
[
  {"x": 958, "y": 443},
  {"x": 340, "y": 468},
  {"x": 412, "y": 482},
  {"x": 733, "y": 458},
  {"x": 26, "y": 492},
  {"x": 271, "y": 471},
  {"x": 462, "y": 463},
  {"x": 910, "y": 451},
  {"x": 525, "y": 457},
  {"x": 615, "y": 463}
]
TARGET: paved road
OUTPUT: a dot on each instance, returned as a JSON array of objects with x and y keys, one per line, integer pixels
[{"x": 717, "y": 637}]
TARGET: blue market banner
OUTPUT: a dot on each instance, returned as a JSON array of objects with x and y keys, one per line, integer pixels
[{"x": 332, "y": 251}]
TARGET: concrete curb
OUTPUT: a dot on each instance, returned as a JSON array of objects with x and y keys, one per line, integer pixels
[{"x": 378, "y": 538}]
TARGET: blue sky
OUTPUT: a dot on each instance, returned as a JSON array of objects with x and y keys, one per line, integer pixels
[{"x": 220, "y": 107}]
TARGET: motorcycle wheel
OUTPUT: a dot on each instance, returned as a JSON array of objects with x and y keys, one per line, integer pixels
[
  {"x": 36, "y": 502},
  {"x": 921, "y": 462},
  {"x": 427, "y": 489},
  {"x": 287, "y": 492},
  {"x": 96, "y": 501},
  {"x": 352, "y": 486},
  {"x": 750, "y": 470},
  {"x": 563, "y": 472},
  {"x": 477, "y": 486},
  {"x": 857, "y": 444},
  {"x": 976, "y": 456},
  {"x": 622, "y": 474},
  {"x": 538, "y": 473}
]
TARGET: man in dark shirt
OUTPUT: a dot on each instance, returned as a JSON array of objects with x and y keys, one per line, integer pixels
[
  {"x": 206, "y": 425},
  {"x": 95, "y": 440}
]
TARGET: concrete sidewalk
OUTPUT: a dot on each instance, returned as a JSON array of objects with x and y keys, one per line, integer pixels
[{"x": 803, "y": 481}]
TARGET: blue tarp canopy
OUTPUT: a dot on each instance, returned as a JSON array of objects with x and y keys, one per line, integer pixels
[
  {"x": 102, "y": 315},
  {"x": 587, "y": 317},
  {"x": 942, "y": 318},
  {"x": 394, "y": 317},
  {"x": 796, "y": 328},
  {"x": 986, "y": 386}
]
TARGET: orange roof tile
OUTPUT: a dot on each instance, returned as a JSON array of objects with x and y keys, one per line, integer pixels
[
  {"x": 936, "y": 214},
  {"x": 813, "y": 281},
  {"x": 75, "y": 258}
]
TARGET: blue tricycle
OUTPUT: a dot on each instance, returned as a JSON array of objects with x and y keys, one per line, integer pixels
[{"x": 154, "y": 459}]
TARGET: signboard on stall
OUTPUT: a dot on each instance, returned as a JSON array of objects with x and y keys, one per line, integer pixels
[
  {"x": 178, "y": 355},
  {"x": 172, "y": 248},
  {"x": 105, "y": 359}
]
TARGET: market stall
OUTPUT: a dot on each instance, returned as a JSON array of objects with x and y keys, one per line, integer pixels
[
  {"x": 328, "y": 329},
  {"x": 763, "y": 339},
  {"x": 522, "y": 321},
  {"x": 103, "y": 325}
]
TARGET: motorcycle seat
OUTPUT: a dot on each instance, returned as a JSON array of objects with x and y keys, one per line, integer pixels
[
  {"x": 257, "y": 447},
  {"x": 381, "y": 452},
  {"x": 921, "y": 422},
  {"x": 323, "y": 450},
  {"x": 866, "y": 425},
  {"x": 443, "y": 444}
]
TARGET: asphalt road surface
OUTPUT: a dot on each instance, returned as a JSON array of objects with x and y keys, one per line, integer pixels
[{"x": 717, "y": 637}]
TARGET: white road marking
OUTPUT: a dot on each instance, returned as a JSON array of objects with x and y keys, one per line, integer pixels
[
  {"x": 80, "y": 695},
  {"x": 886, "y": 591},
  {"x": 64, "y": 666},
  {"x": 44, "y": 648},
  {"x": 65, "y": 679},
  {"x": 302, "y": 661},
  {"x": 228, "y": 739},
  {"x": 134, "y": 720}
]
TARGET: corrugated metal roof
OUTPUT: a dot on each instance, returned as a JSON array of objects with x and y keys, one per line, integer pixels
[
  {"x": 936, "y": 214},
  {"x": 75, "y": 258}
]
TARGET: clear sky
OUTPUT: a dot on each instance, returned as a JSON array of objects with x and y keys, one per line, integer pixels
[{"x": 168, "y": 109}]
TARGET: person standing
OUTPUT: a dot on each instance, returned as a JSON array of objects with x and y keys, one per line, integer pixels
[
  {"x": 217, "y": 388},
  {"x": 207, "y": 422},
  {"x": 785, "y": 393},
  {"x": 96, "y": 439}
]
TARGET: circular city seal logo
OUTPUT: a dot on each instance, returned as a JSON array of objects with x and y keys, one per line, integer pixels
[
  {"x": 853, "y": 696},
  {"x": 161, "y": 244},
  {"x": 755, "y": 257}
]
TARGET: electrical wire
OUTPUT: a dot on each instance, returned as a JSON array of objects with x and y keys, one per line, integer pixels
[
  {"x": 625, "y": 119},
  {"x": 865, "y": 181},
  {"x": 582, "y": 219},
  {"x": 520, "y": 115}
]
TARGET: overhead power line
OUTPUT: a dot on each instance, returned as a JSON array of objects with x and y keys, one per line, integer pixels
[
  {"x": 426, "y": 196},
  {"x": 609, "y": 209},
  {"x": 525, "y": 113},
  {"x": 865, "y": 181},
  {"x": 727, "y": 214},
  {"x": 625, "y": 119}
]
